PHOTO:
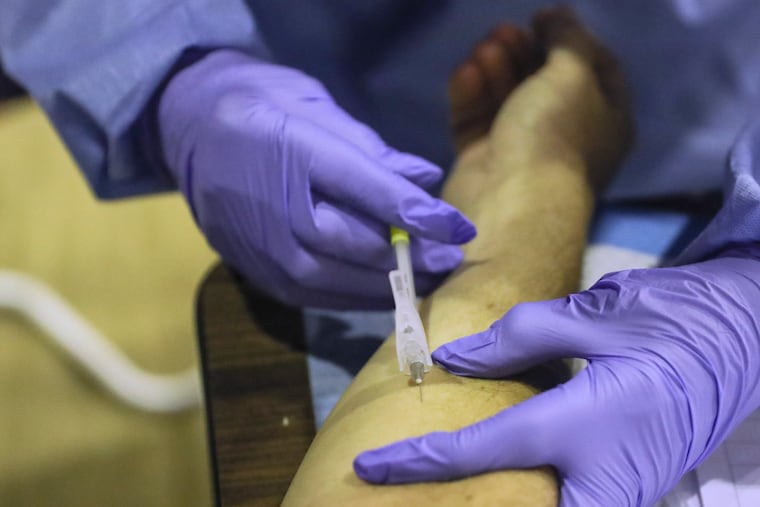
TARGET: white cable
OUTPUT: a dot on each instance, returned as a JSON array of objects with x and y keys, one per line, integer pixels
[{"x": 90, "y": 349}]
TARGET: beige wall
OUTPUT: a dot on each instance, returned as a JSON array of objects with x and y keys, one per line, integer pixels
[{"x": 131, "y": 267}]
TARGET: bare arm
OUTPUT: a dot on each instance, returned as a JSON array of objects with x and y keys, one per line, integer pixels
[{"x": 532, "y": 208}]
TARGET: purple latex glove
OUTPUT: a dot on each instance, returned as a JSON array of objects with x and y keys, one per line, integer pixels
[
  {"x": 674, "y": 366},
  {"x": 295, "y": 193}
]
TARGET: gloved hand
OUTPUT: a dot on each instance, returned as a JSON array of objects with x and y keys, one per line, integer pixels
[
  {"x": 295, "y": 193},
  {"x": 674, "y": 366}
]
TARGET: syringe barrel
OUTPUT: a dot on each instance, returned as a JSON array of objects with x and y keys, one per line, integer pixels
[{"x": 404, "y": 261}]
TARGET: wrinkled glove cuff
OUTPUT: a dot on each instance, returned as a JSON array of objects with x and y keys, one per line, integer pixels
[{"x": 148, "y": 132}]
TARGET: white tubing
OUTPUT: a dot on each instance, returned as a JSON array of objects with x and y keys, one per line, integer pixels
[{"x": 94, "y": 353}]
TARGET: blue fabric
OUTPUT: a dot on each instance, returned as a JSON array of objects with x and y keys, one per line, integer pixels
[
  {"x": 339, "y": 344},
  {"x": 738, "y": 221},
  {"x": 93, "y": 66},
  {"x": 693, "y": 65}
]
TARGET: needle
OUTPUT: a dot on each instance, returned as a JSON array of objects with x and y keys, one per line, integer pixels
[{"x": 418, "y": 371}]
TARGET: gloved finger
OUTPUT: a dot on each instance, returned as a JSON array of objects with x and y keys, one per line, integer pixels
[
  {"x": 527, "y": 335},
  {"x": 316, "y": 271},
  {"x": 289, "y": 292},
  {"x": 345, "y": 174},
  {"x": 343, "y": 233},
  {"x": 433, "y": 257},
  {"x": 334, "y": 119},
  {"x": 285, "y": 290},
  {"x": 416, "y": 169},
  {"x": 523, "y": 436},
  {"x": 289, "y": 88},
  {"x": 313, "y": 270},
  {"x": 269, "y": 276}
]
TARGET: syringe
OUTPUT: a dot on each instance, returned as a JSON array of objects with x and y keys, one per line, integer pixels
[
  {"x": 400, "y": 242},
  {"x": 411, "y": 343}
]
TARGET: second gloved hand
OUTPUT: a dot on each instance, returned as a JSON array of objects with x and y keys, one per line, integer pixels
[
  {"x": 295, "y": 193},
  {"x": 674, "y": 366}
]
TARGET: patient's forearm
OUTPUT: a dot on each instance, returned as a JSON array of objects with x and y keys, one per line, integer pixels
[
  {"x": 532, "y": 223},
  {"x": 531, "y": 232}
]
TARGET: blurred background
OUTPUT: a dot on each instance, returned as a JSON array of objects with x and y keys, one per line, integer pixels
[{"x": 131, "y": 268}]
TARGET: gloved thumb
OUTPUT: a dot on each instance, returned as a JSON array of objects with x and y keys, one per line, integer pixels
[
  {"x": 527, "y": 335},
  {"x": 506, "y": 440},
  {"x": 416, "y": 169}
]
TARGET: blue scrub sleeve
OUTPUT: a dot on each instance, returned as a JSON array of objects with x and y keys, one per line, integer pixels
[
  {"x": 738, "y": 221},
  {"x": 95, "y": 65}
]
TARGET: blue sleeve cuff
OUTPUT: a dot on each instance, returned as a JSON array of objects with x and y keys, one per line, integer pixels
[
  {"x": 738, "y": 221},
  {"x": 95, "y": 66}
]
